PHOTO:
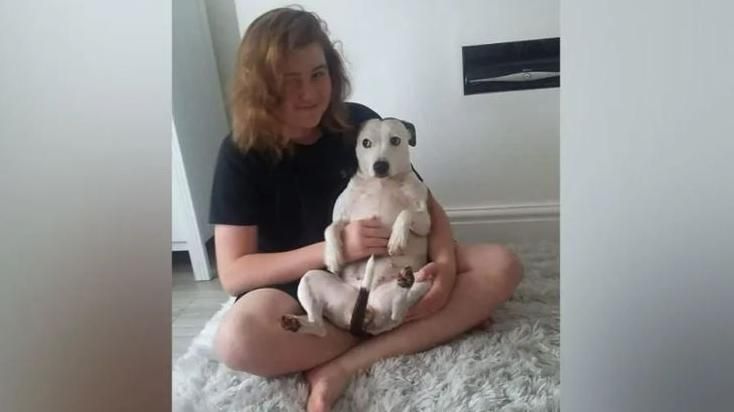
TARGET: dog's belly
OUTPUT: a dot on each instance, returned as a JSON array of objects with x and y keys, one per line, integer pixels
[
  {"x": 387, "y": 268},
  {"x": 385, "y": 199}
]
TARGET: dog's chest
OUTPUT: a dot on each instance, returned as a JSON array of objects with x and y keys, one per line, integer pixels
[{"x": 383, "y": 198}]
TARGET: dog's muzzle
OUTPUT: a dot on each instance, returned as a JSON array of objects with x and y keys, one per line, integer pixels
[{"x": 381, "y": 168}]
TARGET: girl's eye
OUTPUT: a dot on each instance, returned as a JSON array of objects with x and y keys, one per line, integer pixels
[
  {"x": 395, "y": 141},
  {"x": 319, "y": 75},
  {"x": 366, "y": 143}
]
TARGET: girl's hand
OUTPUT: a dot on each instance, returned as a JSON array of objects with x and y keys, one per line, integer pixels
[
  {"x": 362, "y": 238},
  {"x": 437, "y": 296}
]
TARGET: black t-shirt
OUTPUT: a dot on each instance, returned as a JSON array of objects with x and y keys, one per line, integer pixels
[{"x": 291, "y": 200}]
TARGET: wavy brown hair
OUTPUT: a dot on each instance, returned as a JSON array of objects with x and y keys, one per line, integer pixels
[{"x": 257, "y": 84}]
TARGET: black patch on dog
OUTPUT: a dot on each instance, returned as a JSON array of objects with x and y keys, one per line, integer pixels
[{"x": 411, "y": 128}]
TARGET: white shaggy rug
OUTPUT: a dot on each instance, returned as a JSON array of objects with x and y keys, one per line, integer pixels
[{"x": 512, "y": 365}]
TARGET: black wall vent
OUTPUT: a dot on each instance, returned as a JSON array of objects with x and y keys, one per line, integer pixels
[{"x": 520, "y": 65}]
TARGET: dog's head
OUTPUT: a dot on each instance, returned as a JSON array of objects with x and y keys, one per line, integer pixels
[{"x": 382, "y": 147}]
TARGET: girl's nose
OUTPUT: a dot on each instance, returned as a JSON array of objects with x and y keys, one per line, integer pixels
[{"x": 308, "y": 91}]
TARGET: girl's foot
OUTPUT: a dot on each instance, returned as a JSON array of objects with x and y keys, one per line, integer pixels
[{"x": 327, "y": 382}]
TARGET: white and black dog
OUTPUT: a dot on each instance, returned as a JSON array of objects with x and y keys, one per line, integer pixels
[{"x": 372, "y": 295}]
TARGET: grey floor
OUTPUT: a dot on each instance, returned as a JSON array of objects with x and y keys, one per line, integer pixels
[{"x": 193, "y": 303}]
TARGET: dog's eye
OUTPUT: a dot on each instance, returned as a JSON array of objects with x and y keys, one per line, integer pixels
[
  {"x": 366, "y": 143},
  {"x": 395, "y": 141}
]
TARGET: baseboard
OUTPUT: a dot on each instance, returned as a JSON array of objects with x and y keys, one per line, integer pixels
[
  {"x": 512, "y": 223},
  {"x": 179, "y": 246}
]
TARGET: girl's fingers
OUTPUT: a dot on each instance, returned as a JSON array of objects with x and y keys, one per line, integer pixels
[
  {"x": 372, "y": 222},
  {"x": 381, "y": 232},
  {"x": 373, "y": 242},
  {"x": 377, "y": 251}
]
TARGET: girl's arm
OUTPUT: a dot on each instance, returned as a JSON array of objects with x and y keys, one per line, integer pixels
[
  {"x": 241, "y": 268},
  {"x": 441, "y": 245}
]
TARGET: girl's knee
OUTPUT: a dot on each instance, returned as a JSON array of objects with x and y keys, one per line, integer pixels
[
  {"x": 240, "y": 345},
  {"x": 511, "y": 267},
  {"x": 503, "y": 270}
]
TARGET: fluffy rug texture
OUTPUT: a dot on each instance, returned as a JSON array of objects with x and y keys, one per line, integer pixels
[{"x": 509, "y": 365}]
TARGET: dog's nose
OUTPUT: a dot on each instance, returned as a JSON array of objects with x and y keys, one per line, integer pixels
[{"x": 381, "y": 168}]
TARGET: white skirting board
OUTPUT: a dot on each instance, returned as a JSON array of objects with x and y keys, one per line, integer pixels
[
  {"x": 511, "y": 223},
  {"x": 514, "y": 223}
]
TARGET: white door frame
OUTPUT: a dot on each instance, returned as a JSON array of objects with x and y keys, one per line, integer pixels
[{"x": 193, "y": 243}]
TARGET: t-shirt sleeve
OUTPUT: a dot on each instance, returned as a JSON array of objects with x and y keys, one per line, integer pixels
[{"x": 236, "y": 198}]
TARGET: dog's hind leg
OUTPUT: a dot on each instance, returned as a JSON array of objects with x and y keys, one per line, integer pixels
[
  {"x": 409, "y": 292},
  {"x": 312, "y": 322},
  {"x": 321, "y": 294},
  {"x": 400, "y": 304}
]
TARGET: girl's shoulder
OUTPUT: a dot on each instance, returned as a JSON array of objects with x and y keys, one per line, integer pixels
[{"x": 232, "y": 156}]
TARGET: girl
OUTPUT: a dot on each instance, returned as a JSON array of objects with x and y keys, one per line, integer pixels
[{"x": 290, "y": 154}]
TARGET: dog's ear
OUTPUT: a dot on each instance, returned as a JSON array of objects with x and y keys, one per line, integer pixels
[{"x": 411, "y": 128}]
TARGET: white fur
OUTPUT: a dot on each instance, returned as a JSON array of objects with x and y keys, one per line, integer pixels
[{"x": 399, "y": 200}]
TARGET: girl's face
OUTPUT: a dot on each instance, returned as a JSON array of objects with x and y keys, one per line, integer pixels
[{"x": 306, "y": 92}]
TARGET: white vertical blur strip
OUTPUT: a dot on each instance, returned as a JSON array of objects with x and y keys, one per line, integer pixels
[
  {"x": 646, "y": 206},
  {"x": 85, "y": 205}
]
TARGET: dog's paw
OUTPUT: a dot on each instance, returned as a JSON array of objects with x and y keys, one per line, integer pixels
[
  {"x": 397, "y": 243},
  {"x": 290, "y": 322},
  {"x": 369, "y": 316},
  {"x": 406, "y": 278},
  {"x": 400, "y": 233}
]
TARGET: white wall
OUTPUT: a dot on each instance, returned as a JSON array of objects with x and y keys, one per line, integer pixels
[
  {"x": 496, "y": 155},
  {"x": 225, "y": 35},
  {"x": 648, "y": 193},
  {"x": 198, "y": 107}
]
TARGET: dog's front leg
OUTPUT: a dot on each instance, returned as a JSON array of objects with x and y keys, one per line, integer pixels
[
  {"x": 421, "y": 224},
  {"x": 417, "y": 195},
  {"x": 333, "y": 247},
  {"x": 400, "y": 233}
]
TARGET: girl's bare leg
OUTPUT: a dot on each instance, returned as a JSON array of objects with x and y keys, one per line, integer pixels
[
  {"x": 251, "y": 339},
  {"x": 487, "y": 276}
]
